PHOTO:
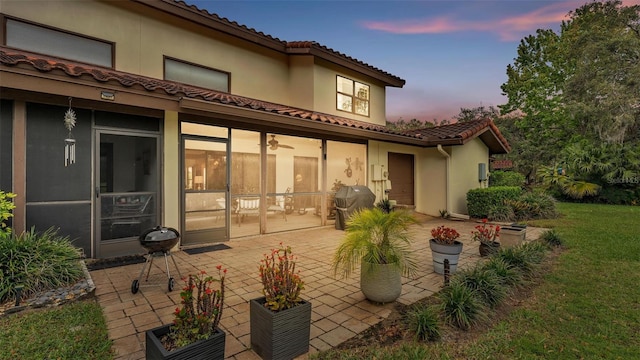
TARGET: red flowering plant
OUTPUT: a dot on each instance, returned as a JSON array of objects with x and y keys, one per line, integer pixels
[
  {"x": 199, "y": 316},
  {"x": 484, "y": 234},
  {"x": 444, "y": 235},
  {"x": 281, "y": 284}
]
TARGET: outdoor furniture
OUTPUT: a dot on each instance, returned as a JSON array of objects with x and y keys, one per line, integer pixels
[{"x": 251, "y": 207}]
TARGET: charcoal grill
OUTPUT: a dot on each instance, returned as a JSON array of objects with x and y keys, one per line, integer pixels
[{"x": 157, "y": 241}]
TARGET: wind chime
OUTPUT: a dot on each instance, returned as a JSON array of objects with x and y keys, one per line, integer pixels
[{"x": 69, "y": 142}]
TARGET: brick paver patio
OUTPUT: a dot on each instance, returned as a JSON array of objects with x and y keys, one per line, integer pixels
[{"x": 339, "y": 311}]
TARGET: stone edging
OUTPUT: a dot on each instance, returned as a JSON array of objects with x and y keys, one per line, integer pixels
[{"x": 82, "y": 289}]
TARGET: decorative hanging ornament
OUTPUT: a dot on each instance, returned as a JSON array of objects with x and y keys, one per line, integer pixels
[{"x": 69, "y": 142}]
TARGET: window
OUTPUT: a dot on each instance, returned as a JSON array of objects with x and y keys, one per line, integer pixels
[
  {"x": 352, "y": 96},
  {"x": 192, "y": 74},
  {"x": 36, "y": 38}
]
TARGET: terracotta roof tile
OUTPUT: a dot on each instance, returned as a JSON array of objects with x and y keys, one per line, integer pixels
[
  {"x": 284, "y": 44},
  {"x": 12, "y": 57},
  {"x": 313, "y": 44},
  {"x": 460, "y": 132}
]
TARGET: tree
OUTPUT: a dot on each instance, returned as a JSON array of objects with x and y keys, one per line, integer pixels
[
  {"x": 603, "y": 93},
  {"x": 480, "y": 112},
  {"x": 402, "y": 125},
  {"x": 579, "y": 93}
]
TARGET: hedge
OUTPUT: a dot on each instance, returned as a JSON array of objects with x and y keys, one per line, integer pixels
[
  {"x": 506, "y": 178},
  {"x": 480, "y": 201}
]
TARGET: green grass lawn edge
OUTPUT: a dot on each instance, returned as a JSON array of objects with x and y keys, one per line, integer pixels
[{"x": 586, "y": 307}]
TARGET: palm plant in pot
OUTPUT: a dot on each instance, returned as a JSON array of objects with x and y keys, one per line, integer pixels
[
  {"x": 487, "y": 237},
  {"x": 194, "y": 333},
  {"x": 280, "y": 321},
  {"x": 379, "y": 242},
  {"x": 445, "y": 246}
]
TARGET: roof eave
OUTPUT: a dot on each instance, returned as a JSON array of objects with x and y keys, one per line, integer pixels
[{"x": 192, "y": 14}]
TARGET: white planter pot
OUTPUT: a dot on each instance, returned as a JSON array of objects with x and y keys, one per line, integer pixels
[{"x": 440, "y": 252}]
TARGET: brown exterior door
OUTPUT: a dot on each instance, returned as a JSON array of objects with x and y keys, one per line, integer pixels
[{"x": 401, "y": 176}]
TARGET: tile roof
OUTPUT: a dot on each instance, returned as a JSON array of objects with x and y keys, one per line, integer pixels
[
  {"x": 13, "y": 57},
  {"x": 314, "y": 45},
  {"x": 460, "y": 132},
  {"x": 454, "y": 134},
  {"x": 251, "y": 34}
]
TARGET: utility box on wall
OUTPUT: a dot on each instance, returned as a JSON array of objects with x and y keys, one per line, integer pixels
[
  {"x": 482, "y": 172},
  {"x": 379, "y": 173}
]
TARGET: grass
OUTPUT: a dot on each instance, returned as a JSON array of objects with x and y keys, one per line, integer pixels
[
  {"x": 586, "y": 307},
  {"x": 73, "y": 331}
]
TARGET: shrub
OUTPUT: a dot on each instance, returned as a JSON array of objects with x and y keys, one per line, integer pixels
[
  {"x": 486, "y": 283},
  {"x": 460, "y": 305},
  {"x": 508, "y": 274},
  {"x": 37, "y": 261},
  {"x": 501, "y": 212},
  {"x": 533, "y": 205},
  {"x": 524, "y": 257},
  {"x": 385, "y": 205},
  {"x": 6, "y": 206},
  {"x": 479, "y": 201},
  {"x": 506, "y": 178},
  {"x": 551, "y": 237},
  {"x": 424, "y": 321}
]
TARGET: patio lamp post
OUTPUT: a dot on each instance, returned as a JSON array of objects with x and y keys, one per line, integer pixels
[{"x": 18, "y": 289}]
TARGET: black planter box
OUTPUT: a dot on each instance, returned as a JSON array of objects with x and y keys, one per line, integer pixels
[
  {"x": 211, "y": 348},
  {"x": 280, "y": 335}
]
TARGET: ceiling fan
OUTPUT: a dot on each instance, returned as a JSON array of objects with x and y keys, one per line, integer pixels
[{"x": 275, "y": 144}]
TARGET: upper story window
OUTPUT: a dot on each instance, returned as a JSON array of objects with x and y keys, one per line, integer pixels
[
  {"x": 45, "y": 40},
  {"x": 192, "y": 74},
  {"x": 352, "y": 96}
]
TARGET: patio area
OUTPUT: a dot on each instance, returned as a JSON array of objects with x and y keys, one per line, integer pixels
[{"x": 339, "y": 310}]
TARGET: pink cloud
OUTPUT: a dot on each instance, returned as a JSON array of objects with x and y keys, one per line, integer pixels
[{"x": 507, "y": 28}]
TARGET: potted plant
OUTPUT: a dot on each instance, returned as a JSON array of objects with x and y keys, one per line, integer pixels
[
  {"x": 444, "y": 246},
  {"x": 280, "y": 321},
  {"x": 379, "y": 242},
  {"x": 194, "y": 333},
  {"x": 487, "y": 237}
]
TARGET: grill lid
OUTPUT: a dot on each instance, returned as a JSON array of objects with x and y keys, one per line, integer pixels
[{"x": 159, "y": 233}]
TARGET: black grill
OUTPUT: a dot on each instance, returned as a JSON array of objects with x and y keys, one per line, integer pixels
[{"x": 158, "y": 241}]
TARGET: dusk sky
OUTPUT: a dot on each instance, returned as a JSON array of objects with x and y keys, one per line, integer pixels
[{"x": 452, "y": 54}]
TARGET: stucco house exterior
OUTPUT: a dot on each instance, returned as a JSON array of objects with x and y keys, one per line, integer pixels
[{"x": 139, "y": 113}]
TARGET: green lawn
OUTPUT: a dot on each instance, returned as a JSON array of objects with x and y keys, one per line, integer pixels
[
  {"x": 586, "y": 307},
  {"x": 589, "y": 305},
  {"x": 73, "y": 331}
]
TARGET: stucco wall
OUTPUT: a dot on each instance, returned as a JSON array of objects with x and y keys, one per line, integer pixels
[
  {"x": 325, "y": 93},
  {"x": 256, "y": 72},
  {"x": 429, "y": 174},
  {"x": 464, "y": 172},
  {"x": 433, "y": 173}
]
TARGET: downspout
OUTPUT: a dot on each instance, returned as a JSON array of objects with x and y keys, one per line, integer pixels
[{"x": 447, "y": 185}]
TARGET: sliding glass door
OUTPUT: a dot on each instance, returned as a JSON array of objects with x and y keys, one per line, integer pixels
[{"x": 205, "y": 190}]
